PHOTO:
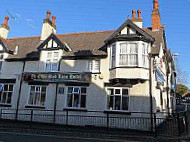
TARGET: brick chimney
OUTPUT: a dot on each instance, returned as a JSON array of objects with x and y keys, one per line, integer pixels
[
  {"x": 137, "y": 20},
  {"x": 4, "y": 29},
  {"x": 48, "y": 26},
  {"x": 156, "y": 16}
]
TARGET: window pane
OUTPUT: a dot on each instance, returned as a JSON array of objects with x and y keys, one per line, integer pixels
[
  {"x": 83, "y": 101},
  {"x": 117, "y": 102},
  {"x": 32, "y": 88},
  {"x": 10, "y": 87},
  {"x": 76, "y": 100},
  {"x": 123, "y": 60},
  {"x": 49, "y": 55},
  {"x": 117, "y": 91},
  {"x": 133, "y": 48},
  {"x": 6, "y": 87},
  {"x": 56, "y": 54},
  {"x": 110, "y": 102},
  {"x": 123, "y": 48},
  {"x": 76, "y": 90},
  {"x": 4, "y": 97},
  {"x": 43, "y": 96},
  {"x": 70, "y": 89},
  {"x": 43, "y": 89},
  {"x": 69, "y": 100},
  {"x": 125, "y": 103},
  {"x": 125, "y": 92},
  {"x": 32, "y": 95},
  {"x": 110, "y": 91},
  {"x": 83, "y": 90},
  {"x": 54, "y": 66},
  {"x": 9, "y": 97}
]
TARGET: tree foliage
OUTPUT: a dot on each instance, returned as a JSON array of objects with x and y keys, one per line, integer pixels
[{"x": 182, "y": 89}]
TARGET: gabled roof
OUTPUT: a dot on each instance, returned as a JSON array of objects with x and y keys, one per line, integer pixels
[
  {"x": 139, "y": 32},
  {"x": 62, "y": 45}
]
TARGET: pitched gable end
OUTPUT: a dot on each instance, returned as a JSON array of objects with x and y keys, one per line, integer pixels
[
  {"x": 3, "y": 47},
  {"x": 53, "y": 43},
  {"x": 130, "y": 30}
]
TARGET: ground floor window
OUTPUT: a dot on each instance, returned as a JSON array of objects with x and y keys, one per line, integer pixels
[
  {"x": 6, "y": 91},
  {"x": 37, "y": 95},
  {"x": 76, "y": 97},
  {"x": 118, "y": 99}
]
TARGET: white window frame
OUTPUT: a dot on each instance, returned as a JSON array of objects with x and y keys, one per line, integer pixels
[
  {"x": 80, "y": 94},
  {"x": 113, "y": 52},
  {"x": 120, "y": 95},
  {"x": 39, "y": 103},
  {"x": 52, "y": 61},
  {"x": 128, "y": 54},
  {"x": 8, "y": 91},
  {"x": 92, "y": 66},
  {"x": 145, "y": 55}
]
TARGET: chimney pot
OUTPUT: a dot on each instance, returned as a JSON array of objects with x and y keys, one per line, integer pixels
[
  {"x": 156, "y": 4},
  {"x": 139, "y": 14},
  {"x": 48, "y": 14},
  {"x": 53, "y": 19},
  {"x": 6, "y": 20},
  {"x": 133, "y": 14}
]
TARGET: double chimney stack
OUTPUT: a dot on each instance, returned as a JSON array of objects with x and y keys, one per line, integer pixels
[
  {"x": 49, "y": 26},
  {"x": 137, "y": 20}
]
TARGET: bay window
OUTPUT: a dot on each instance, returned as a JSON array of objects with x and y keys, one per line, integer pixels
[
  {"x": 37, "y": 96},
  {"x": 76, "y": 97},
  {"x": 128, "y": 55},
  {"x": 52, "y": 60},
  {"x": 118, "y": 99},
  {"x": 6, "y": 91}
]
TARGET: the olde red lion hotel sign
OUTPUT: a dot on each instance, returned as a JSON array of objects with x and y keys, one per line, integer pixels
[{"x": 57, "y": 77}]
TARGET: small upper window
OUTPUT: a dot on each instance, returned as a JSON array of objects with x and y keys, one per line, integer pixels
[
  {"x": 94, "y": 65},
  {"x": 52, "y": 61}
]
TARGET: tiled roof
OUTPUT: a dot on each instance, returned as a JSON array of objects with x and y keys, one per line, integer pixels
[
  {"x": 91, "y": 41},
  {"x": 159, "y": 39}
]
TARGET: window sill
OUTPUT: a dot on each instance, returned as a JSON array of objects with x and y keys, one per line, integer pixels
[
  {"x": 128, "y": 67},
  {"x": 117, "y": 112},
  {"x": 75, "y": 109},
  {"x": 5, "y": 105},
  {"x": 38, "y": 107}
]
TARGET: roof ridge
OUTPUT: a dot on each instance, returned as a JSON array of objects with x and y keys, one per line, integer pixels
[
  {"x": 90, "y": 32},
  {"x": 13, "y": 38}
]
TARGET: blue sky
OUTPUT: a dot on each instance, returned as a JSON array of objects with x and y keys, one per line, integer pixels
[{"x": 26, "y": 18}]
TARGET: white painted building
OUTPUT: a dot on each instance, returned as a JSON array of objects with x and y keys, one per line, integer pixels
[{"x": 121, "y": 71}]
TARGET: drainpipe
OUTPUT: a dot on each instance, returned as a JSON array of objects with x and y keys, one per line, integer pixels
[
  {"x": 150, "y": 89},
  {"x": 167, "y": 89},
  {"x": 20, "y": 88},
  {"x": 55, "y": 101}
]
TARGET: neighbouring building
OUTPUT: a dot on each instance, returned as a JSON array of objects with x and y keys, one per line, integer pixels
[{"x": 125, "y": 70}]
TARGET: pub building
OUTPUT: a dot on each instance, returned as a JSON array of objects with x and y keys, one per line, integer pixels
[{"x": 125, "y": 70}]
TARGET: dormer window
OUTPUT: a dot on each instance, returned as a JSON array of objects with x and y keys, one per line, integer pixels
[{"x": 52, "y": 61}]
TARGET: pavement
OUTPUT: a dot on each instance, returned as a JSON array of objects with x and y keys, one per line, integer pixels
[
  {"x": 19, "y": 137},
  {"x": 24, "y": 137}
]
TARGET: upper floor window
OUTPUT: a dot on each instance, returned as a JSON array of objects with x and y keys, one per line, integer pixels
[
  {"x": 128, "y": 55},
  {"x": 37, "y": 95},
  {"x": 113, "y": 53},
  {"x": 52, "y": 61},
  {"x": 1, "y": 61},
  {"x": 94, "y": 65},
  {"x": 144, "y": 55},
  {"x": 6, "y": 91}
]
